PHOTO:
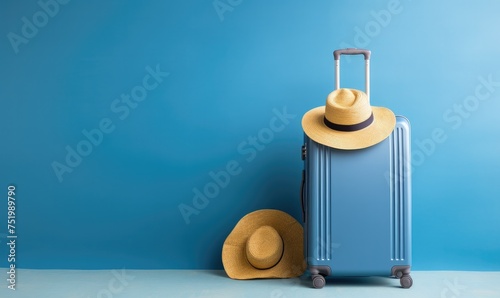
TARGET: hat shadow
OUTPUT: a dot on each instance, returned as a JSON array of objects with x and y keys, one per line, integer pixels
[
  {"x": 218, "y": 273},
  {"x": 278, "y": 187}
]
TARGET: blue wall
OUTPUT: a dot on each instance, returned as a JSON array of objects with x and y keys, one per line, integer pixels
[{"x": 114, "y": 117}]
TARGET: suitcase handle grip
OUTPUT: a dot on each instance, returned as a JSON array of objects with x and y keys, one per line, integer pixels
[
  {"x": 353, "y": 51},
  {"x": 302, "y": 195}
]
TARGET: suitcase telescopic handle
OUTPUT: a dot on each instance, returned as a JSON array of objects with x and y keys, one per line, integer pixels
[{"x": 353, "y": 51}]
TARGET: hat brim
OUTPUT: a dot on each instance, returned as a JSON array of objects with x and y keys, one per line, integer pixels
[
  {"x": 291, "y": 264},
  {"x": 382, "y": 126}
]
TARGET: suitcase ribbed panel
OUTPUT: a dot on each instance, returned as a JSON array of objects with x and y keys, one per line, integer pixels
[
  {"x": 324, "y": 220},
  {"x": 398, "y": 193}
]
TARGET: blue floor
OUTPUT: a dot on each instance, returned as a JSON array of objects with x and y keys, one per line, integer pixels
[{"x": 206, "y": 283}]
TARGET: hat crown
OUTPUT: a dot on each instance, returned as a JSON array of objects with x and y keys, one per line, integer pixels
[
  {"x": 264, "y": 248},
  {"x": 347, "y": 107}
]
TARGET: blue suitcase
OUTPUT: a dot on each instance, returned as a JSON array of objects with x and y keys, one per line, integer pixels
[{"x": 357, "y": 204}]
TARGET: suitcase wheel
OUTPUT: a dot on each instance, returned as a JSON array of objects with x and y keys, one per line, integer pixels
[
  {"x": 318, "y": 281},
  {"x": 406, "y": 281}
]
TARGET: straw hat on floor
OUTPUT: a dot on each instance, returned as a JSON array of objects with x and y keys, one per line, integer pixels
[{"x": 264, "y": 244}]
